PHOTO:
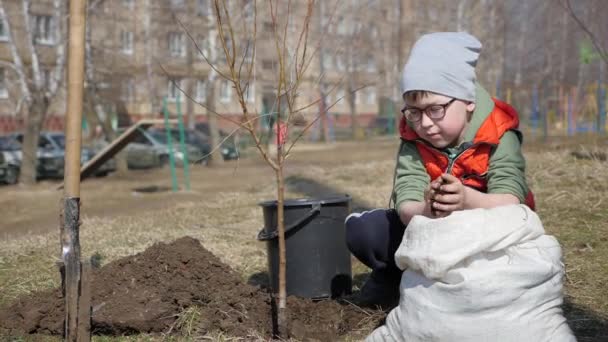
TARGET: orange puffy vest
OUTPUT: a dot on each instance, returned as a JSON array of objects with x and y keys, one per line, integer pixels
[{"x": 470, "y": 165}]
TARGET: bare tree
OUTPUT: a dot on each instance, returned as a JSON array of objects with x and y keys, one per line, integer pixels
[
  {"x": 601, "y": 49},
  {"x": 208, "y": 49},
  {"x": 291, "y": 72},
  {"x": 39, "y": 86},
  {"x": 97, "y": 74}
]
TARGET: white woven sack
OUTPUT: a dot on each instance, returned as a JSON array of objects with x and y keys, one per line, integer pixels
[{"x": 478, "y": 275}]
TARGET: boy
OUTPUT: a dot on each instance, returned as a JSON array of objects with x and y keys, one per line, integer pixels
[{"x": 459, "y": 150}]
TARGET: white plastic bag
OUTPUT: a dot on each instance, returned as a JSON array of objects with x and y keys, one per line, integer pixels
[{"x": 478, "y": 275}]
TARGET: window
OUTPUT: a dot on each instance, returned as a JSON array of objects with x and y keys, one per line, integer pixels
[
  {"x": 356, "y": 96},
  {"x": 247, "y": 50},
  {"x": 203, "y": 8},
  {"x": 3, "y": 88},
  {"x": 225, "y": 91},
  {"x": 371, "y": 63},
  {"x": 228, "y": 46},
  {"x": 329, "y": 100},
  {"x": 327, "y": 61},
  {"x": 325, "y": 24},
  {"x": 340, "y": 62},
  {"x": 250, "y": 93},
  {"x": 177, "y": 44},
  {"x": 373, "y": 30},
  {"x": 203, "y": 47},
  {"x": 220, "y": 49},
  {"x": 128, "y": 3},
  {"x": 44, "y": 143},
  {"x": 268, "y": 26},
  {"x": 248, "y": 11},
  {"x": 339, "y": 95},
  {"x": 174, "y": 91},
  {"x": 44, "y": 29},
  {"x": 201, "y": 91},
  {"x": 268, "y": 64},
  {"x": 342, "y": 26},
  {"x": 3, "y": 31},
  {"x": 45, "y": 77},
  {"x": 128, "y": 90},
  {"x": 177, "y": 3},
  {"x": 370, "y": 97},
  {"x": 126, "y": 42}
]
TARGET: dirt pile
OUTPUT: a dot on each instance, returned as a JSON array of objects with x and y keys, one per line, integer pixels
[{"x": 147, "y": 292}]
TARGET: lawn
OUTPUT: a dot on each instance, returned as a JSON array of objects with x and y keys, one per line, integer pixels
[{"x": 222, "y": 212}]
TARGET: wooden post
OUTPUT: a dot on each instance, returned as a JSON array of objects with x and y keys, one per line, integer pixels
[
  {"x": 84, "y": 302},
  {"x": 77, "y": 317}
]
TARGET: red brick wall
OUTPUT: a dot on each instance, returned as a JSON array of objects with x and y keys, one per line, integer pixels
[{"x": 56, "y": 123}]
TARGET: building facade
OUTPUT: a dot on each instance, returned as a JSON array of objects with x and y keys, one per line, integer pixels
[{"x": 143, "y": 54}]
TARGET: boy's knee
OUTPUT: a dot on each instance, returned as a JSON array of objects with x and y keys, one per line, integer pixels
[
  {"x": 358, "y": 230},
  {"x": 354, "y": 230}
]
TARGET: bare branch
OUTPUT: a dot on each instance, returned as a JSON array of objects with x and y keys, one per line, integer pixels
[
  {"x": 29, "y": 42},
  {"x": 234, "y": 131},
  {"x": 18, "y": 63},
  {"x": 59, "y": 50},
  {"x": 195, "y": 101},
  {"x": 205, "y": 57},
  {"x": 310, "y": 125},
  {"x": 603, "y": 53}
]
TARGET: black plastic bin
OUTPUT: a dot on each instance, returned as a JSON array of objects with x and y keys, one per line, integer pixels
[{"x": 318, "y": 260}]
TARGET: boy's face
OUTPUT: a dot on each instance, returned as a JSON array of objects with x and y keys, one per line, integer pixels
[{"x": 447, "y": 131}]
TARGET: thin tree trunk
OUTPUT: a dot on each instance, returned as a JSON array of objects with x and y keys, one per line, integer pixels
[
  {"x": 564, "y": 52},
  {"x": 461, "y": 22},
  {"x": 520, "y": 44},
  {"x": 31, "y": 135},
  {"x": 352, "y": 106},
  {"x": 282, "y": 312},
  {"x": 152, "y": 90},
  {"x": 106, "y": 123},
  {"x": 190, "y": 85},
  {"x": 214, "y": 136},
  {"x": 281, "y": 315},
  {"x": 324, "y": 132}
]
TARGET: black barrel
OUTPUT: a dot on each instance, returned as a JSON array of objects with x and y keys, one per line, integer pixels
[{"x": 318, "y": 260}]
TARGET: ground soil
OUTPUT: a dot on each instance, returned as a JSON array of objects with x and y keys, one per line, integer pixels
[
  {"x": 35, "y": 210},
  {"x": 146, "y": 292}
]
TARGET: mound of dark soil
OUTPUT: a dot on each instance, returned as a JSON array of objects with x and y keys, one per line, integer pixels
[{"x": 146, "y": 292}]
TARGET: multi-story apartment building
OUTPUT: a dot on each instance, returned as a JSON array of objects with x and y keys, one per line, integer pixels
[{"x": 141, "y": 52}]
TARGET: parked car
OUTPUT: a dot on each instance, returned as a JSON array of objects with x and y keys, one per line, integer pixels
[
  {"x": 51, "y": 155},
  {"x": 10, "y": 160},
  {"x": 149, "y": 149},
  {"x": 229, "y": 150},
  {"x": 200, "y": 141},
  {"x": 9, "y": 174}
]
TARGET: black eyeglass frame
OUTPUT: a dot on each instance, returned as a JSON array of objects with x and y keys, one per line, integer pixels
[{"x": 427, "y": 111}]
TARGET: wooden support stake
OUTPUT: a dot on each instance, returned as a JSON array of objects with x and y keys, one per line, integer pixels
[
  {"x": 70, "y": 242},
  {"x": 71, "y": 260},
  {"x": 84, "y": 304}
]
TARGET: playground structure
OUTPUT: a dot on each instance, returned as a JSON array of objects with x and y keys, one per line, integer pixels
[
  {"x": 129, "y": 135},
  {"x": 564, "y": 111}
]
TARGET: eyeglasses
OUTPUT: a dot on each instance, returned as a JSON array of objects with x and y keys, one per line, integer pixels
[{"x": 436, "y": 111}]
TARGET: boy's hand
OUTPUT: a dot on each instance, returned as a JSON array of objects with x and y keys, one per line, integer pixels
[
  {"x": 450, "y": 195},
  {"x": 431, "y": 193}
]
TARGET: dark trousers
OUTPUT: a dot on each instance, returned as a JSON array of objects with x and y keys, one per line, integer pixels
[{"x": 373, "y": 237}]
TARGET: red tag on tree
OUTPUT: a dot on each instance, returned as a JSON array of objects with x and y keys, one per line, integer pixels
[{"x": 281, "y": 133}]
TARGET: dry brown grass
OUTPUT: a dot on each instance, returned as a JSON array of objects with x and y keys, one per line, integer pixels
[{"x": 571, "y": 198}]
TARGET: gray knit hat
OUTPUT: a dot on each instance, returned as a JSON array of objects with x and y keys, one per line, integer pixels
[{"x": 443, "y": 63}]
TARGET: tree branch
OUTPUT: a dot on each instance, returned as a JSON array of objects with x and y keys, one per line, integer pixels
[
  {"x": 18, "y": 63},
  {"x": 603, "y": 53}
]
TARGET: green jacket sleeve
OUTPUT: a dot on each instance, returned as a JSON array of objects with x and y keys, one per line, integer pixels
[
  {"x": 507, "y": 169},
  {"x": 410, "y": 175}
]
